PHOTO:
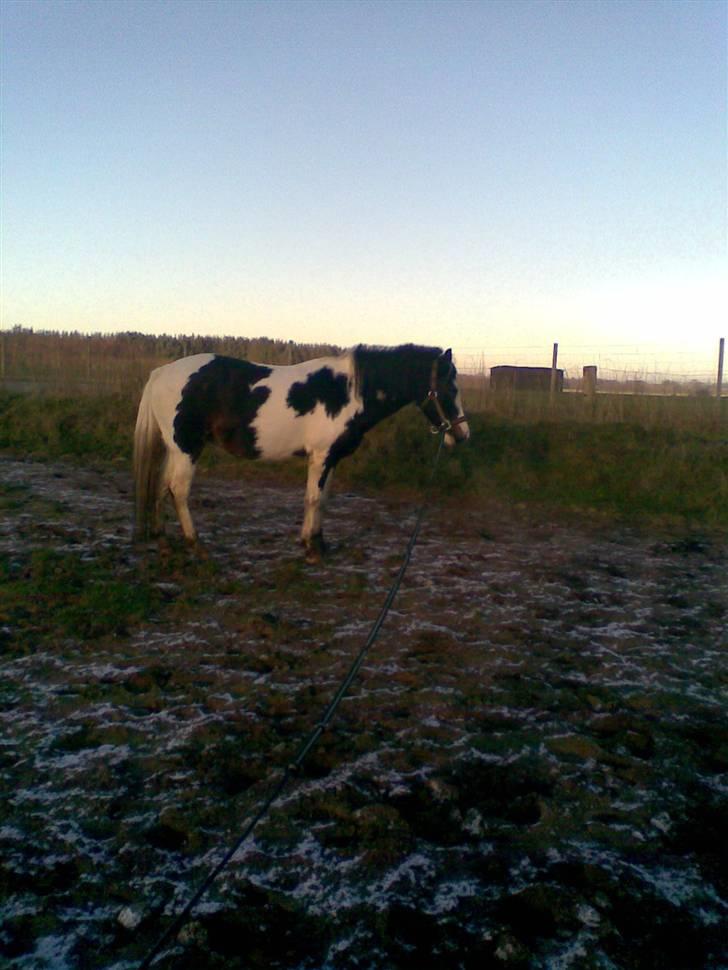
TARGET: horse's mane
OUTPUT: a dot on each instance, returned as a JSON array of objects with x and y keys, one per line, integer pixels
[{"x": 405, "y": 369}]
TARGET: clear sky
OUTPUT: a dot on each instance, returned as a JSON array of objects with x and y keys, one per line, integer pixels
[{"x": 493, "y": 176}]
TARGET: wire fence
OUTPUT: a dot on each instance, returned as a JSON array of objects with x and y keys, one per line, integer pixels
[{"x": 629, "y": 365}]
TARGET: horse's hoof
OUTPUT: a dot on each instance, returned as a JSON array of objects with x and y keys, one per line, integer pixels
[
  {"x": 198, "y": 549},
  {"x": 164, "y": 546},
  {"x": 315, "y": 547}
]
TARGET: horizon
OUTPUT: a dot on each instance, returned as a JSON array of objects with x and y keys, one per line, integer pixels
[
  {"x": 495, "y": 177},
  {"x": 616, "y": 362}
]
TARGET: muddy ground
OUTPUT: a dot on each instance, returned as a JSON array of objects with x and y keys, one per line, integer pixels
[{"x": 529, "y": 770}]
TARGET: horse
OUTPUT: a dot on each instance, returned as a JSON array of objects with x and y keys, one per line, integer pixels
[{"x": 321, "y": 408}]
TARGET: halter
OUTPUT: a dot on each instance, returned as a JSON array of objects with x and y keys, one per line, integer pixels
[{"x": 432, "y": 395}]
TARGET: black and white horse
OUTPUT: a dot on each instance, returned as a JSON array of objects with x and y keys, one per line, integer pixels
[{"x": 321, "y": 408}]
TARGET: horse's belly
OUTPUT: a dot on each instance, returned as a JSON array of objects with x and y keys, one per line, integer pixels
[{"x": 278, "y": 440}]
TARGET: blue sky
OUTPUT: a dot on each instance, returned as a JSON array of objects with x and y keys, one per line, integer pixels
[{"x": 492, "y": 176}]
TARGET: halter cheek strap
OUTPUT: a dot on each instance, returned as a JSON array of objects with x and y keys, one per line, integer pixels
[{"x": 432, "y": 395}]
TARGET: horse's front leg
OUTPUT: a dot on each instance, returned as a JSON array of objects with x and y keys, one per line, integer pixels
[{"x": 317, "y": 490}]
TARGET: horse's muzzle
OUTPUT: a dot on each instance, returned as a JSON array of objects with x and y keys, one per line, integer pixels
[{"x": 457, "y": 433}]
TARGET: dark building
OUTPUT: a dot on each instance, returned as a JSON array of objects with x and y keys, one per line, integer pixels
[{"x": 507, "y": 378}]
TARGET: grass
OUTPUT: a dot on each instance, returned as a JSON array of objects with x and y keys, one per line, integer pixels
[
  {"x": 55, "y": 595},
  {"x": 666, "y": 458},
  {"x": 694, "y": 412},
  {"x": 623, "y": 469},
  {"x": 43, "y": 426}
]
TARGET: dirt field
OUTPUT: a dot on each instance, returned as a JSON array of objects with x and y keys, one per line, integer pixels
[{"x": 529, "y": 772}]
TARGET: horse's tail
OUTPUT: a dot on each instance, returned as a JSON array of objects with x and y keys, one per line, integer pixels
[{"x": 149, "y": 453}]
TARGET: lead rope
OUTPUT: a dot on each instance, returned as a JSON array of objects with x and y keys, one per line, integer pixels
[{"x": 310, "y": 742}]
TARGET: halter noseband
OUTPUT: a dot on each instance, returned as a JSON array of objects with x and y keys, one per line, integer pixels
[{"x": 432, "y": 395}]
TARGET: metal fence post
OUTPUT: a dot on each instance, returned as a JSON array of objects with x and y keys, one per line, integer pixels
[
  {"x": 554, "y": 360},
  {"x": 719, "y": 381}
]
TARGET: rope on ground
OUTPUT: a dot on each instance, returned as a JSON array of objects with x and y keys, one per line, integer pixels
[{"x": 312, "y": 739}]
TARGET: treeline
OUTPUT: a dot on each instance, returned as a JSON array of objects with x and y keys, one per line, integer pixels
[
  {"x": 22, "y": 342},
  {"x": 122, "y": 359}
]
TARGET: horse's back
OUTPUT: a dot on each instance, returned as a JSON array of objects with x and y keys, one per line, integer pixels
[{"x": 176, "y": 373}]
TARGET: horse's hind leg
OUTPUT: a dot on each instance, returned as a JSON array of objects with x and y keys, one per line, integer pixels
[{"x": 178, "y": 477}]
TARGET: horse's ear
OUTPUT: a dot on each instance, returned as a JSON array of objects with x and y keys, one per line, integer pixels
[{"x": 444, "y": 364}]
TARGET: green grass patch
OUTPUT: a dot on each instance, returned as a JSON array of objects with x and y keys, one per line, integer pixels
[
  {"x": 621, "y": 469},
  {"x": 67, "y": 427},
  {"x": 13, "y": 497},
  {"x": 616, "y": 468},
  {"x": 679, "y": 412},
  {"x": 56, "y": 595}
]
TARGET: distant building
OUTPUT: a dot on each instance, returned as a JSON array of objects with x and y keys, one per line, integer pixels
[{"x": 507, "y": 378}]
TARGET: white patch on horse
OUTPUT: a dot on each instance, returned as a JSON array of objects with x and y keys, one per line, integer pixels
[{"x": 280, "y": 437}]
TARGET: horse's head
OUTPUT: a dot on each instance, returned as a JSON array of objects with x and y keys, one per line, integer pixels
[{"x": 442, "y": 407}]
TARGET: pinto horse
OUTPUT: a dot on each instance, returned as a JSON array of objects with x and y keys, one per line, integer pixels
[{"x": 321, "y": 408}]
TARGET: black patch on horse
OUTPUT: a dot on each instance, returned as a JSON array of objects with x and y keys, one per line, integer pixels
[
  {"x": 347, "y": 443},
  {"x": 387, "y": 378},
  {"x": 401, "y": 374},
  {"x": 220, "y": 402},
  {"x": 320, "y": 387}
]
